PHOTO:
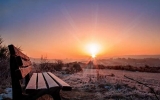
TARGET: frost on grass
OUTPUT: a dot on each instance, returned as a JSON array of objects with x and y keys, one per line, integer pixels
[
  {"x": 110, "y": 84},
  {"x": 107, "y": 84}
]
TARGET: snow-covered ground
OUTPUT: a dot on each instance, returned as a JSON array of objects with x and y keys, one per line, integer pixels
[
  {"x": 105, "y": 84},
  {"x": 7, "y": 94},
  {"x": 93, "y": 84}
]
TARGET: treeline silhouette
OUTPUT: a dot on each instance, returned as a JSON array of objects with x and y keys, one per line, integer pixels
[
  {"x": 57, "y": 65},
  {"x": 146, "y": 68}
]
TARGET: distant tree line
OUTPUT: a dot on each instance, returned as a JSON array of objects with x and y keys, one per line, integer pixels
[
  {"x": 146, "y": 68},
  {"x": 57, "y": 65}
]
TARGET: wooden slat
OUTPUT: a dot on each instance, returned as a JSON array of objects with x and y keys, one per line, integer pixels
[
  {"x": 32, "y": 85},
  {"x": 41, "y": 82},
  {"x": 22, "y": 72},
  {"x": 51, "y": 83},
  {"x": 23, "y": 62},
  {"x": 14, "y": 51},
  {"x": 63, "y": 84}
]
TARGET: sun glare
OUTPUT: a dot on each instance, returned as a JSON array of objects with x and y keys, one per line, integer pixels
[
  {"x": 93, "y": 56},
  {"x": 93, "y": 49}
]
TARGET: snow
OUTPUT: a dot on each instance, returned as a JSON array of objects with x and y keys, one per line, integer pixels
[
  {"x": 7, "y": 94},
  {"x": 87, "y": 85},
  {"x": 112, "y": 86}
]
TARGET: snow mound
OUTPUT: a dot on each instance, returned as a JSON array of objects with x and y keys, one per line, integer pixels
[{"x": 7, "y": 94}]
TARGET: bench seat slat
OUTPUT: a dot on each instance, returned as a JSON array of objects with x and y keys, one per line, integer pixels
[
  {"x": 51, "y": 83},
  {"x": 63, "y": 84},
  {"x": 32, "y": 85},
  {"x": 41, "y": 82}
]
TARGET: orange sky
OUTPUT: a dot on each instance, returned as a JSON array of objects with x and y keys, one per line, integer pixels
[{"x": 64, "y": 29}]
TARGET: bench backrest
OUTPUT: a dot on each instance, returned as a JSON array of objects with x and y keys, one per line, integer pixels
[{"x": 20, "y": 67}]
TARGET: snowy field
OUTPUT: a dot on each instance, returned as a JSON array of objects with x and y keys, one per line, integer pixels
[
  {"x": 93, "y": 84},
  {"x": 111, "y": 84}
]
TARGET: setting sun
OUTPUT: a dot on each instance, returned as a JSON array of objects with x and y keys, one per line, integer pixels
[
  {"x": 80, "y": 29},
  {"x": 93, "y": 49},
  {"x": 93, "y": 55}
]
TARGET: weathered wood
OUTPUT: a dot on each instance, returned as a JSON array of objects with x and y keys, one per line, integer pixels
[
  {"x": 41, "y": 82},
  {"x": 16, "y": 86},
  {"x": 63, "y": 84},
  {"x": 26, "y": 79},
  {"x": 32, "y": 85},
  {"x": 23, "y": 62},
  {"x": 22, "y": 72},
  {"x": 38, "y": 84},
  {"x": 51, "y": 83},
  {"x": 15, "y": 52}
]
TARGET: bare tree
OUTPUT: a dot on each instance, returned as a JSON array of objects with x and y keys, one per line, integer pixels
[{"x": 3, "y": 50}]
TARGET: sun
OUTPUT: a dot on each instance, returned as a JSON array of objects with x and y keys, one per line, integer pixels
[
  {"x": 93, "y": 49},
  {"x": 93, "y": 55}
]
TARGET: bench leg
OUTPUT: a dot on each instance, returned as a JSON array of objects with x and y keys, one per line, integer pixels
[
  {"x": 35, "y": 95},
  {"x": 56, "y": 94}
]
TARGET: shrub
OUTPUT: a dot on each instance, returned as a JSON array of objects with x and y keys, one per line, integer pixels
[
  {"x": 77, "y": 67},
  {"x": 4, "y": 67},
  {"x": 58, "y": 65},
  {"x": 4, "y": 54},
  {"x": 45, "y": 65},
  {"x": 73, "y": 68}
]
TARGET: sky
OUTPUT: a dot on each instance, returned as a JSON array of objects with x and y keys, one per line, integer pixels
[{"x": 66, "y": 28}]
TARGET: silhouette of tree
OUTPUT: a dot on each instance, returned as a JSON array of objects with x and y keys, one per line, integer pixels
[{"x": 3, "y": 50}]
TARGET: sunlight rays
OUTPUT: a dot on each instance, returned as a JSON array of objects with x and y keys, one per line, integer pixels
[
  {"x": 75, "y": 31},
  {"x": 71, "y": 22}
]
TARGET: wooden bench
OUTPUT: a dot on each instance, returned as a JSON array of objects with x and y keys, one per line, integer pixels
[{"x": 36, "y": 85}]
